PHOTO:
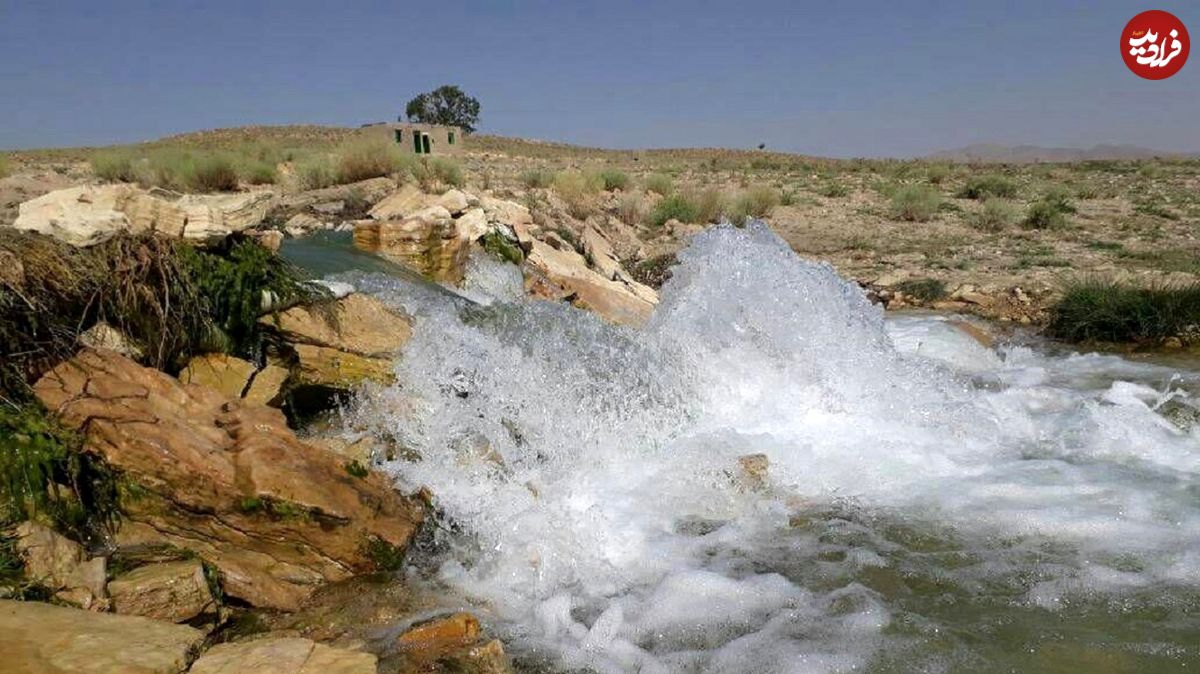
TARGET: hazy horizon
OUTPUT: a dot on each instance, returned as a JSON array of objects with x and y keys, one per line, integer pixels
[{"x": 869, "y": 80}]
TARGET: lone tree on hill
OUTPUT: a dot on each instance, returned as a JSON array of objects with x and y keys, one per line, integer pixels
[{"x": 445, "y": 105}]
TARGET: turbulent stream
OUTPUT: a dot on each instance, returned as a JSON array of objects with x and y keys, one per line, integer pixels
[{"x": 931, "y": 505}]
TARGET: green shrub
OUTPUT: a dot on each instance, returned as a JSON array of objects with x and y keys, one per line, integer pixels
[
  {"x": 995, "y": 215},
  {"x": 579, "y": 191},
  {"x": 710, "y": 206},
  {"x": 446, "y": 171},
  {"x": 367, "y": 158},
  {"x": 915, "y": 203},
  {"x": 674, "y": 207},
  {"x": 257, "y": 172},
  {"x": 211, "y": 173},
  {"x": 936, "y": 174},
  {"x": 756, "y": 202},
  {"x": 1101, "y": 310},
  {"x": 660, "y": 183},
  {"x": 114, "y": 166},
  {"x": 612, "y": 179},
  {"x": 990, "y": 185},
  {"x": 630, "y": 208},
  {"x": 232, "y": 282},
  {"x": 498, "y": 245},
  {"x": 1049, "y": 212},
  {"x": 5, "y": 166},
  {"x": 833, "y": 190},
  {"x": 43, "y": 470},
  {"x": 537, "y": 178},
  {"x": 924, "y": 289},
  {"x": 315, "y": 172}
]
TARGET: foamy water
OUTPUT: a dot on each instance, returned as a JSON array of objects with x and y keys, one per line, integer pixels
[{"x": 930, "y": 504}]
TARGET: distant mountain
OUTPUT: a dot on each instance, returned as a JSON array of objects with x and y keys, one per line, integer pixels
[{"x": 1027, "y": 154}]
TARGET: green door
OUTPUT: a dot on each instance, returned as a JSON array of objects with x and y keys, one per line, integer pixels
[
  {"x": 425, "y": 142},
  {"x": 417, "y": 142}
]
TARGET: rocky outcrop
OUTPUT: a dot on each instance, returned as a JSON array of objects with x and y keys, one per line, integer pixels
[
  {"x": 428, "y": 241},
  {"x": 235, "y": 378},
  {"x": 62, "y": 566},
  {"x": 332, "y": 368},
  {"x": 172, "y": 591},
  {"x": 38, "y": 638},
  {"x": 357, "y": 323},
  {"x": 345, "y": 343},
  {"x": 555, "y": 271},
  {"x": 432, "y": 233},
  {"x": 226, "y": 480},
  {"x": 287, "y": 655},
  {"x": 86, "y": 215}
]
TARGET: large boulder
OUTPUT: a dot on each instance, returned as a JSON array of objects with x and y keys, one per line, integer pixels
[
  {"x": 62, "y": 566},
  {"x": 429, "y": 242},
  {"x": 561, "y": 273},
  {"x": 86, "y": 215},
  {"x": 356, "y": 323},
  {"x": 81, "y": 216},
  {"x": 226, "y": 480},
  {"x": 402, "y": 203},
  {"x": 37, "y": 638},
  {"x": 282, "y": 655}
]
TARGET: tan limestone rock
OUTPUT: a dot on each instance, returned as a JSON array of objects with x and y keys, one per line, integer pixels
[
  {"x": 322, "y": 366},
  {"x": 37, "y": 638},
  {"x": 60, "y": 564},
  {"x": 226, "y": 480},
  {"x": 220, "y": 372},
  {"x": 356, "y": 323},
  {"x": 288, "y": 655},
  {"x": 172, "y": 591}
]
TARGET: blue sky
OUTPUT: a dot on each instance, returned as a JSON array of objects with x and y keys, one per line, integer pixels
[{"x": 868, "y": 78}]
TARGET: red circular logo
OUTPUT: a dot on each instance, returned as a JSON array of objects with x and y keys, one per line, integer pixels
[{"x": 1155, "y": 44}]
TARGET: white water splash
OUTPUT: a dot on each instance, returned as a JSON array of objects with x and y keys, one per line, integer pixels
[{"x": 592, "y": 470}]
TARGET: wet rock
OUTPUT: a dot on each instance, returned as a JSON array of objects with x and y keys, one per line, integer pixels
[
  {"x": 267, "y": 385},
  {"x": 754, "y": 469},
  {"x": 333, "y": 368},
  {"x": 61, "y": 565},
  {"x": 226, "y": 480},
  {"x": 104, "y": 336},
  {"x": 562, "y": 273},
  {"x": 287, "y": 655},
  {"x": 975, "y": 332},
  {"x": 38, "y": 638},
  {"x": 429, "y": 241},
  {"x": 301, "y": 225},
  {"x": 219, "y": 371},
  {"x": 173, "y": 591},
  {"x": 357, "y": 323},
  {"x": 434, "y": 639}
]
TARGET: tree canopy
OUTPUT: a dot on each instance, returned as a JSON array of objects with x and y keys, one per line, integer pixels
[{"x": 445, "y": 105}]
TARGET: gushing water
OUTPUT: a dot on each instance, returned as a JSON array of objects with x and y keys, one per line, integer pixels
[{"x": 930, "y": 504}]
